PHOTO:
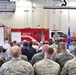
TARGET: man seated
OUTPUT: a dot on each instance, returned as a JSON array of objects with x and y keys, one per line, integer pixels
[
  {"x": 16, "y": 66},
  {"x": 39, "y": 56},
  {"x": 47, "y": 66}
]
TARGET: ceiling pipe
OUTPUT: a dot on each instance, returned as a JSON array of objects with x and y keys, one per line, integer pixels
[{"x": 58, "y": 7}]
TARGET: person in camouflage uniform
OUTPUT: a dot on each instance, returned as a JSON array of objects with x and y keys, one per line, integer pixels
[
  {"x": 70, "y": 66},
  {"x": 16, "y": 66},
  {"x": 47, "y": 66},
  {"x": 23, "y": 57},
  {"x": 64, "y": 56},
  {"x": 39, "y": 56}
]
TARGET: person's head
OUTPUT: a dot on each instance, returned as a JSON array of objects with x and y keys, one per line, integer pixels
[
  {"x": 14, "y": 43},
  {"x": 25, "y": 45},
  {"x": 56, "y": 32},
  {"x": 49, "y": 53},
  {"x": 15, "y": 51},
  {"x": 63, "y": 46},
  {"x": 34, "y": 42},
  {"x": 4, "y": 48},
  {"x": 74, "y": 43},
  {"x": 45, "y": 47}
]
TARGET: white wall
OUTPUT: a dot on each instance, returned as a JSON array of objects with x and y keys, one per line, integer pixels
[
  {"x": 21, "y": 18},
  {"x": 39, "y": 16},
  {"x": 63, "y": 19}
]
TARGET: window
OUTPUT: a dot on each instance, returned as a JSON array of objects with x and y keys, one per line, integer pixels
[{"x": 61, "y": 34}]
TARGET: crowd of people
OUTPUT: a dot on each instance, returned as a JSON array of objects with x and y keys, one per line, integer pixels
[{"x": 27, "y": 58}]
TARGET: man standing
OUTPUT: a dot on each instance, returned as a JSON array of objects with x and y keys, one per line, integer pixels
[
  {"x": 70, "y": 66},
  {"x": 47, "y": 66},
  {"x": 25, "y": 50},
  {"x": 16, "y": 66},
  {"x": 64, "y": 56},
  {"x": 39, "y": 56},
  {"x": 56, "y": 37}
]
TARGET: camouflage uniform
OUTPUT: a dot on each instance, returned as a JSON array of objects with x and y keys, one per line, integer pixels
[
  {"x": 16, "y": 67},
  {"x": 37, "y": 57},
  {"x": 46, "y": 67},
  {"x": 23, "y": 57},
  {"x": 69, "y": 68},
  {"x": 62, "y": 57}
]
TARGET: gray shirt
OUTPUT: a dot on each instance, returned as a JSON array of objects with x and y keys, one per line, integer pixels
[
  {"x": 37, "y": 57},
  {"x": 16, "y": 66},
  {"x": 56, "y": 37}
]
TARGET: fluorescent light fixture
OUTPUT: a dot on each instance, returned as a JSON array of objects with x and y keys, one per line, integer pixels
[{"x": 59, "y": 7}]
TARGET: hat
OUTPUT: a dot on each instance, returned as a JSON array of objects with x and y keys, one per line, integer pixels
[{"x": 25, "y": 44}]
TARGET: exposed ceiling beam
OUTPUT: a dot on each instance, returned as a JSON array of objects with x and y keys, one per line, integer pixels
[{"x": 58, "y": 7}]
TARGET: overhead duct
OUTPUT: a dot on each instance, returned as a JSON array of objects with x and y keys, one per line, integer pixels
[
  {"x": 7, "y": 6},
  {"x": 58, "y": 7}
]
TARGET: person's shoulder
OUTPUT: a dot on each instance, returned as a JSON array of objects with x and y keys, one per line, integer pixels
[
  {"x": 71, "y": 61},
  {"x": 8, "y": 58},
  {"x": 39, "y": 63},
  {"x": 6, "y": 64},
  {"x": 23, "y": 56},
  {"x": 56, "y": 64},
  {"x": 38, "y": 54},
  {"x": 26, "y": 63},
  {"x": 32, "y": 48},
  {"x": 59, "y": 54},
  {"x": 43, "y": 61}
]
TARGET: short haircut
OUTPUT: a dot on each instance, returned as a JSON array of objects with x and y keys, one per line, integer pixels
[
  {"x": 62, "y": 45},
  {"x": 14, "y": 42},
  {"x": 3, "y": 50},
  {"x": 50, "y": 51}
]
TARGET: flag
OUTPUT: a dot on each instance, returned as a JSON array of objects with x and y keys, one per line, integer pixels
[{"x": 69, "y": 37}]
